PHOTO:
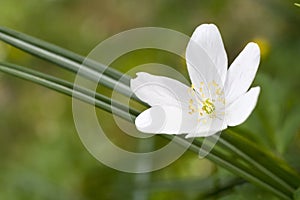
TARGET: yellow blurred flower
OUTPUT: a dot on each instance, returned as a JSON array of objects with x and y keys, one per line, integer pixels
[{"x": 264, "y": 46}]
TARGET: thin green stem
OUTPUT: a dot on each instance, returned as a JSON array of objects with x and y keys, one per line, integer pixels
[
  {"x": 110, "y": 72},
  {"x": 256, "y": 165},
  {"x": 91, "y": 70},
  {"x": 274, "y": 165},
  {"x": 232, "y": 165},
  {"x": 68, "y": 88}
]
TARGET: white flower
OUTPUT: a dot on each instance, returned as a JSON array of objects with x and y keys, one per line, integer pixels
[{"x": 217, "y": 97}]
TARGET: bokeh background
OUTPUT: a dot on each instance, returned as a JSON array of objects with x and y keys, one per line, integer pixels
[{"x": 41, "y": 154}]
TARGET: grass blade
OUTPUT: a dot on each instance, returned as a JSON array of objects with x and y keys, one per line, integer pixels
[
  {"x": 273, "y": 164},
  {"x": 93, "y": 71},
  {"x": 110, "y": 72},
  {"x": 67, "y": 88}
]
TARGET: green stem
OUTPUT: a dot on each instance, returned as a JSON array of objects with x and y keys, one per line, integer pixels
[
  {"x": 110, "y": 72},
  {"x": 256, "y": 165},
  {"x": 90, "y": 69},
  {"x": 68, "y": 88},
  {"x": 237, "y": 168},
  {"x": 277, "y": 167}
]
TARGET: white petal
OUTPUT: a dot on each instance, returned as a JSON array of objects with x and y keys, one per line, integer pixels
[
  {"x": 173, "y": 120},
  {"x": 165, "y": 119},
  {"x": 159, "y": 90},
  {"x": 239, "y": 110},
  {"x": 206, "y": 56},
  {"x": 215, "y": 125},
  {"x": 242, "y": 72}
]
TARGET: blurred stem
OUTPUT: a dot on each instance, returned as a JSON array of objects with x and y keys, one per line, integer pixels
[
  {"x": 218, "y": 156},
  {"x": 16, "y": 38},
  {"x": 226, "y": 187},
  {"x": 256, "y": 165},
  {"x": 67, "y": 88},
  {"x": 205, "y": 186},
  {"x": 262, "y": 157},
  {"x": 89, "y": 69},
  {"x": 238, "y": 168}
]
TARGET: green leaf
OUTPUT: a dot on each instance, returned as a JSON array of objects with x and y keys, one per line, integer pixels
[
  {"x": 289, "y": 129},
  {"x": 297, "y": 194}
]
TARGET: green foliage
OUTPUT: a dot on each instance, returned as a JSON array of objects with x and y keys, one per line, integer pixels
[{"x": 297, "y": 194}]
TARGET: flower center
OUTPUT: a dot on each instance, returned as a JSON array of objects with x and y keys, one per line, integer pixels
[
  {"x": 208, "y": 106},
  {"x": 201, "y": 104}
]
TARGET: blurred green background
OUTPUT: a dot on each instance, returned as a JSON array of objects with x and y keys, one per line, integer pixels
[{"x": 41, "y": 154}]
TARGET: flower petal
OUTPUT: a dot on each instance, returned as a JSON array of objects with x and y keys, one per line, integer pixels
[
  {"x": 159, "y": 90},
  {"x": 242, "y": 72},
  {"x": 239, "y": 110},
  {"x": 214, "y": 125},
  {"x": 164, "y": 119},
  {"x": 206, "y": 56},
  {"x": 174, "y": 120}
]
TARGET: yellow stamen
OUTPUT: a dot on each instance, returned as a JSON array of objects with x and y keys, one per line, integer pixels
[{"x": 208, "y": 106}]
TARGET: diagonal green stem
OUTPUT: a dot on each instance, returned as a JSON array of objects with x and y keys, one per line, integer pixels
[
  {"x": 256, "y": 164},
  {"x": 215, "y": 155},
  {"x": 35, "y": 42},
  {"x": 70, "y": 61},
  {"x": 250, "y": 150},
  {"x": 234, "y": 166},
  {"x": 67, "y": 88}
]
